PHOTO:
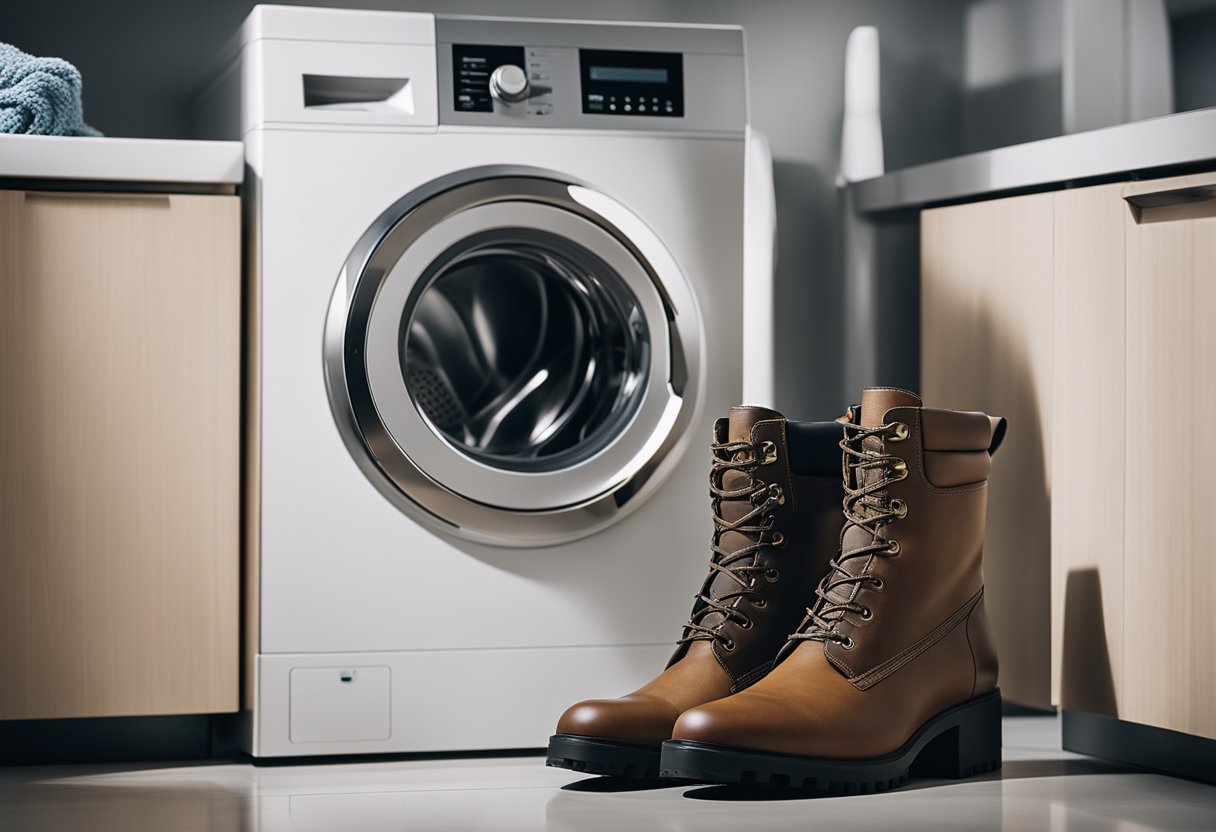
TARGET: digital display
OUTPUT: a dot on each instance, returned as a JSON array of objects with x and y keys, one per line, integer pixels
[
  {"x": 629, "y": 74},
  {"x": 627, "y": 83}
]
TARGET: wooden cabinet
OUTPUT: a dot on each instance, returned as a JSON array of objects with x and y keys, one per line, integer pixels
[
  {"x": 119, "y": 453},
  {"x": 1086, "y": 317},
  {"x": 986, "y": 301},
  {"x": 1089, "y": 458},
  {"x": 1169, "y": 566}
]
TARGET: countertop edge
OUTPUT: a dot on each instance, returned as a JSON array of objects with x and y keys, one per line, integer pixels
[
  {"x": 121, "y": 160},
  {"x": 1170, "y": 141}
]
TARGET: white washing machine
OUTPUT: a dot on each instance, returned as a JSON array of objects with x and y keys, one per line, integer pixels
[{"x": 495, "y": 302}]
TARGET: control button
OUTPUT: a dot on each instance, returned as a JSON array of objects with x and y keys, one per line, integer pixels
[
  {"x": 612, "y": 107},
  {"x": 628, "y": 108},
  {"x": 509, "y": 83},
  {"x": 641, "y": 108}
]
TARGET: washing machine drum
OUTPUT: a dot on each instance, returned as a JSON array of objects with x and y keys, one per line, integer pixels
[{"x": 512, "y": 358}]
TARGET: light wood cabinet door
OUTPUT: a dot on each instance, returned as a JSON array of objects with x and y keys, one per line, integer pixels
[
  {"x": 986, "y": 344},
  {"x": 119, "y": 454},
  {"x": 1089, "y": 436},
  {"x": 1169, "y": 625}
]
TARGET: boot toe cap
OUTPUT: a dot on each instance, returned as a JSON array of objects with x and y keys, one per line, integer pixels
[
  {"x": 740, "y": 721},
  {"x": 629, "y": 719}
]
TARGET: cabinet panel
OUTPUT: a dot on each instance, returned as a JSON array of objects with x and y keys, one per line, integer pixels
[
  {"x": 119, "y": 362},
  {"x": 1170, "y": 568},
  {"x": 986, "y": 344},
  {"x": 1087, "y": 458}
]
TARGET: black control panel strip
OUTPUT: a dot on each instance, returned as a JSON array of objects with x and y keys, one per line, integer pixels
[{"x": 472, "y": 66}]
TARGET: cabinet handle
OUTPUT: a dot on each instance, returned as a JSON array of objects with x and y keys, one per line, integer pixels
[
  {"x": 1194, "y": 202},
  {"x": 109, "y": 196}
]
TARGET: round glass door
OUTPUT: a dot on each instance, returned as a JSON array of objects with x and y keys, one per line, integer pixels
[
  {"x": 525, "y": 352},
  {"x": 513, "y": 359}
]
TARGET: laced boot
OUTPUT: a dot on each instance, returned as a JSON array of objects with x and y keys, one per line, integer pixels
[
  {"x": 775, "y": 494},
  {"x": 893, "y": 669}
]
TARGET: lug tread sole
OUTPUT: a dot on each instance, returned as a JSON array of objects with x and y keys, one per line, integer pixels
[
  {"x": 960, "y": 742},
  {"x": 602, "y": 756}
]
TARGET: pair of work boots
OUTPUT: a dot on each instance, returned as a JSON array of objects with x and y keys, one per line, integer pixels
[{"x": 890, "y": 670}]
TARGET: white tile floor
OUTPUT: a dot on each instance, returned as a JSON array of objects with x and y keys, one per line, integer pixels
[{"x": 1039, "y": 788}]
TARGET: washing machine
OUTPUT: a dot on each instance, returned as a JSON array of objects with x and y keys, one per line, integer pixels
[{"x": 494, "y": 304}]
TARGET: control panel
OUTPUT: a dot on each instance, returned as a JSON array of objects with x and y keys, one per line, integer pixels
[
  {"x": 570, "y": 75},
  {"x": 474, "y": 66},
  {"x": 508, "y": 79},
  {"x": 520, "y": 81},
  {"x": 623, "y": 83}
]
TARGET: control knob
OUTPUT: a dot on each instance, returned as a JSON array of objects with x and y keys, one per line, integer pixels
[{"x": 509, "y": 83}]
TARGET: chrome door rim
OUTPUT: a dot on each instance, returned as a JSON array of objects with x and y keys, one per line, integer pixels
[{"x": 495, "y": 515}]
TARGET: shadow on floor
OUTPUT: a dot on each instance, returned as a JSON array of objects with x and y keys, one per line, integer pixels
[
  {"x": 613, "y": 785},
  {"x": 1010, "y": 770}
]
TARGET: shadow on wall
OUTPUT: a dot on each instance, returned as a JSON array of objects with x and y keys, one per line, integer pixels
[
  {"x": 922, "y": 108},
  {"x": 979, "y": 362},
  {"x": 808, "y": 293},
  {"x": 1015, "y": 111},
  {"x": 922, "y": 111},
  {"x": 1017, "y": 560},
  {"x": 1086, "y": 681}
]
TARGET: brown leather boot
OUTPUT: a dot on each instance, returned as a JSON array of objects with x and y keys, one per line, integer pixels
[
  {"x": 894, "y": 668},
  {"x": 775, "y": 492}
]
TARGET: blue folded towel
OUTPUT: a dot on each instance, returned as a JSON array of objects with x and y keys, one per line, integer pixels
[{"x": 40, "y": 95}]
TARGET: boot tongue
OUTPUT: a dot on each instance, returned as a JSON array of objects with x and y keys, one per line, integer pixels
[
  {"x": 744, "y": 417},
  {"x": 739, "y": 429},
  {"x": 876, "y": 401}
]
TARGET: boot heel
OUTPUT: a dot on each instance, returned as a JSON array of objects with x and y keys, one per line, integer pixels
[{"x": 970, "y": 743}]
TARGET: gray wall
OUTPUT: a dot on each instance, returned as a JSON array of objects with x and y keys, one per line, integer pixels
[
  {"x": 1194, "y": 42},
  {"x": 1013, "y": 72},
  {"x": 142, "y": 60}
]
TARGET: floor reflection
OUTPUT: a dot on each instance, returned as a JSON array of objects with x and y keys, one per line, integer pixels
[{"x": 1039, "y": 787}]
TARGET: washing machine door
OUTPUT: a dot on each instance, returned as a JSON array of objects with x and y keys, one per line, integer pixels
[{"x": 512, "y": 357}]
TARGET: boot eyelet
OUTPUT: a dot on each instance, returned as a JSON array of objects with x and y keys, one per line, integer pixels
[
  {"x": 759, "y": 603},
  {"x": 747, "y": 624},
  {"x": 899, "y": 470},
  {"x": 866, "y": 614},
  {"x": 769, "y": 450},
  {"x": 848, "y": 643},
  {"x": 775, "y": 492},
  {"x": 899, "y": 508},
  {"x": 772, "y": 575},
  {"x": 893, "y": 548},
  {"x": 898, "y": 432},
  {"x": 778, "y": 539},
  {"x": 729, "y": 645},
  {"x": 877, "y": 584}
]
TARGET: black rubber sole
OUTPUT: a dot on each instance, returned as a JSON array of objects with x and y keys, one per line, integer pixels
[
  {"x": 959, "y": 742},
  {"x": 595, "y": 755}
]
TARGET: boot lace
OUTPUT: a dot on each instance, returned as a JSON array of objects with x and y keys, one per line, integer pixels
[
  {"x": 756, "y": 524},
  {"x": 866, "y": 509}
]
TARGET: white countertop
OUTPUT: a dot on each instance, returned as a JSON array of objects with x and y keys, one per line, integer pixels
[
  {"x": 121, "y": 160},
  {"x": 1123, "y": 151}
]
